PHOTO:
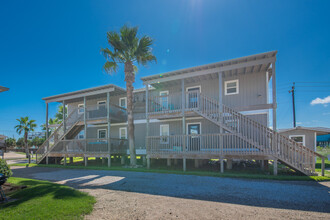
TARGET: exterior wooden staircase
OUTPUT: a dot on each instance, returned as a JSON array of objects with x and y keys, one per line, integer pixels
[
  {"x": 72, "y": 128},
  {"x": 270, "y": 142}
]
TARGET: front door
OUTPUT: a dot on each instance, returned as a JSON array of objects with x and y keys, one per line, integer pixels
[
  {"x": 193, "y": 95},
  {"x": 194, "y": 139}
]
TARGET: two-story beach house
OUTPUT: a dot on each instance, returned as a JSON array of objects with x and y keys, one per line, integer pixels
[{"x": 215, "y": 111}]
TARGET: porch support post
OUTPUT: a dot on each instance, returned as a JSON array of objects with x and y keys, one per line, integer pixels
[
  {"x": 64, "y": 161},
  {"x": 109, "y": 126},
  {"x": 262, "y": 163},
  {"x": 221, "y": 165},
  {"x": 85, "y": 126},
  {"x": 122, "y": 160},
  {"x": 220, "y": 109},
  {"x": 86, "y": 159},
  {"x": 71, "y": 159},
  {"x": 220, "y": 87},
  {"x": 168, "y": 162},
  {"x": 196, "y": 163},
  {"x": 46, "y": 159},
  {"x": 275, "y": 167},
  {"x": 322, "y": 166},
  {"x": 229, "y": 164},
  {"x": 183, "y": 104},
  {"x": 64, "y": 122},
  {"x": 184, "y": 161},
  {"x": 274, "y": 95},
  {"x": 47, "y": 126},
  {"x": 148, "y": 162},
  {"x": 147, "y": 125}
]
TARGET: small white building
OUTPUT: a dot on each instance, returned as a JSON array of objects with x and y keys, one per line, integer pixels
[{"x": 307, "y": 136}]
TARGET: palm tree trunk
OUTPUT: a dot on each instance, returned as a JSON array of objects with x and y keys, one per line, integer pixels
[
  {"x": 130, "y": 78},
  {"x": 26, "y": 146}
]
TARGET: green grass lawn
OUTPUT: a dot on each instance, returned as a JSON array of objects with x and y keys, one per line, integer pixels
[
  {"x": 160, "y": 167},
  {"x": 46, "y": 200}
]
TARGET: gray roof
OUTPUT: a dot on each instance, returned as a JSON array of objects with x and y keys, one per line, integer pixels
[
  {"x": 86, "y": 92},
  {"x": 223, "y": 64},
  {"x": 2, "y": 89},
  {"x": 318, "y": 130}
]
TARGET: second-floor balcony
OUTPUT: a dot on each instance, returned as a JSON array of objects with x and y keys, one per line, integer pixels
[
  {"x": 117, "y": 114},
  {"x": 173, "y": 103}
]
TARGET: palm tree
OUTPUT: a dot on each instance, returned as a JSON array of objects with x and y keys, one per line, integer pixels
[
  {"x": 128, "y": 49},
  {"x": 51, "y": 121},
  {"x": 25, "y": 125}
]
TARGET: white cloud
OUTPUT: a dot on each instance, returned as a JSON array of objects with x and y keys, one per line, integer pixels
[
  {"x": 299, "y": 123},
  {"x": 326, "y": 113},
  {"x": 324, "y": 101}
]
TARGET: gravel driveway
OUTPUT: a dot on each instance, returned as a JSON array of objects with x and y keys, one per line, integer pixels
[{"x": 136, "y": 195}]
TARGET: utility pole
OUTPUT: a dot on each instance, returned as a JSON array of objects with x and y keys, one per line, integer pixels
[{"x": 293, "y": 105}]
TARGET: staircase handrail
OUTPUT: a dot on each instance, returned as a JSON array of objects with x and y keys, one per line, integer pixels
[
  {"x": 42, "y": 147},
  {"x": 274, "y": 136}
]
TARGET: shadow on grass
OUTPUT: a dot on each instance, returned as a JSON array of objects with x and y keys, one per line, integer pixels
[{"x": 38, "y": 189}]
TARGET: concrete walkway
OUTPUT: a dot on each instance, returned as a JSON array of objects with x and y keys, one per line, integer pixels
[{"x": 149, "y": 195}]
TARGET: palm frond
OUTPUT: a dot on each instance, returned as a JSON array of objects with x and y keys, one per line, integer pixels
[{"x": 110, "y": 67}]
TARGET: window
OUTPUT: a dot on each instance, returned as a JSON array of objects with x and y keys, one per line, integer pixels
[
  {"x": 102, "y": 133},
  {"x": 123, "y": 102},
  {"x": 231, "y": 87},
  {"x": 81, "y": 108},
  {"x": 298, "y": 138},
  {"x": 123, "y": 133},
  {"x": 101, "y": 104},
  {"x": 163, "y": 99},
  {"x": 81, "y": 134},
  {"x": 164, "y": 133}
]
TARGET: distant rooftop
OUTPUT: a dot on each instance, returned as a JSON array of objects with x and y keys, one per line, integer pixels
[{"x": 318, "y": 130}]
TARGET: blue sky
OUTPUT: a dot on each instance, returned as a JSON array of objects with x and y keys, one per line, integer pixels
[{"x": 52, "y": 47}]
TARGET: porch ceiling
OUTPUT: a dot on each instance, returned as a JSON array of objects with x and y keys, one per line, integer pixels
[
  {"x": 245, "y": 65},
  {"x": 94, "y": 92}
]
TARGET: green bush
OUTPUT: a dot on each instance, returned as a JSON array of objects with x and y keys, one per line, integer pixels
[{"x": 4, "y": 168}]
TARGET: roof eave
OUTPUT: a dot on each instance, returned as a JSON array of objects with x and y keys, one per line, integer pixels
[{"x": 206, "y": 66}]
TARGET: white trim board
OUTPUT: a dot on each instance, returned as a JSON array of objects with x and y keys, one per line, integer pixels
[
  {"x": 192, "y": 87},
  {"x": 193, "y": 123},
  {"x": 160, "y": 132},
  {"x": 120, "y": 131},
  {"x": 98, "y": 134},
  {"x": 237, "y": 86},
  {"x": 299, "y": 135},
  {"x": 125, "y": 98}
]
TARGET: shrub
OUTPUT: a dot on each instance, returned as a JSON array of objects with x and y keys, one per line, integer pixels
[{"x": 4, "y": 168}]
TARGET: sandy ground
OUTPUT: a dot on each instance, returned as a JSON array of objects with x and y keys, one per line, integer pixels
[
  {"x": 135, "y": 195},
  {"x": 13, "y": 157}
]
